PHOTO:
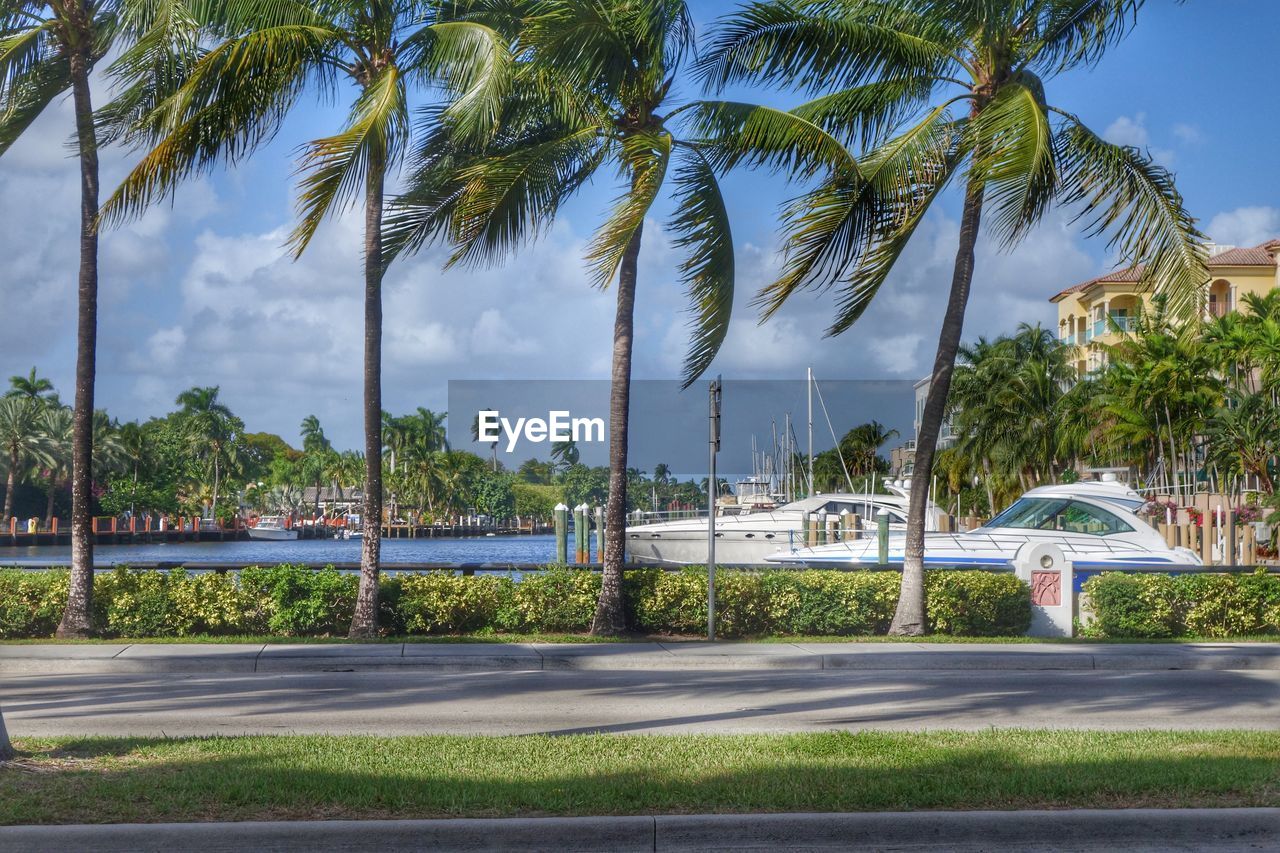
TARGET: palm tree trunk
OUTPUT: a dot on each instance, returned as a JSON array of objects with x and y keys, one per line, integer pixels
[
  {"x": 214, "y": 508},
  {"x": 610, "y": 618},
  {"x": 364, "y": 623},
  {"x": 909, "y": 618},
  {"x": 75, "y": 620},
  {"x": 48, "y": 503},
  {"x": 6, "y": 748},
  {"x": 10, "y": 483}
]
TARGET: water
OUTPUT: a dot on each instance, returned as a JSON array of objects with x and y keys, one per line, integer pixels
[{"x": 486, "y": 549}]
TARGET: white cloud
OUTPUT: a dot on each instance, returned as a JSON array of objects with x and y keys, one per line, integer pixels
[
  {"x": 1245, "y": 226},
  {"x": 1188, "y": 134},
  {"x": 1132, "y": 130}
]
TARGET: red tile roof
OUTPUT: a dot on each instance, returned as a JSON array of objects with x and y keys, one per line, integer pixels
[{"x": 1252, "y": 256}]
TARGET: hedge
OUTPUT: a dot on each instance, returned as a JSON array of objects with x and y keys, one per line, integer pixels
[
  {"x": 1201, "y": 605},
  {"x": 296, "y": 601}
]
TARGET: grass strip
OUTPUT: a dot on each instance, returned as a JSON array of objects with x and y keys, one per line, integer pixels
[{"x": 100, "y": 780}]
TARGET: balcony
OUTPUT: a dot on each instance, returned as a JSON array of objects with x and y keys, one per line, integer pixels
[
  {"x": 1068, "y": 340},
  {"x": 1218, "y": 309}
]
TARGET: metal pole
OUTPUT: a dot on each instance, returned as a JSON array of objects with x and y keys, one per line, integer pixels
[
  {"x": 809, "y": 389},
  {"x": 713, "y": 407}
]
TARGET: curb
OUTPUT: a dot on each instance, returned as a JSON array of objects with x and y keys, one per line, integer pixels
[
  {"x": 156, "y": 658},
  {"x": 1136, "y": 829}
]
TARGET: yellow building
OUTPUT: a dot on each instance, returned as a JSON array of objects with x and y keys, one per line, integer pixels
[{"x": 1083, "y": 309}]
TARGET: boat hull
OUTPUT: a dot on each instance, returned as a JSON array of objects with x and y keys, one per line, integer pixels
[{"x": 268, "y": 534}]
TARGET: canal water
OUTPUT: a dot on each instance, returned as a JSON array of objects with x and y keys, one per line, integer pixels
[{"x": 487, "y": 549}]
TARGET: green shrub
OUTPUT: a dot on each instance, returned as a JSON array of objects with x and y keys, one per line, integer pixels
[
  {"x": 31, "y": 602},
  {"x": 138, "y": 604},
  {"x": 977, "y": 604},
  {"x": 556, "y": 600},
  {"x": 831, "y": 603},
  {"x": 670, "y": 602},
  {"x": 296, "y": 601},
  {"x": 1227, "y": 605},
  {"x": 1137, "y": 605},
  {"x": 442, "y": 602}
]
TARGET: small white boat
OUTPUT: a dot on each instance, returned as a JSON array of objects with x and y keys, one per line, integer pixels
[
  {"x": 271, "y": 527},
  {"x": 752, "y": 537},
  {"x": 1094, "y": 523},
  {"x": 352, "y": 529}
]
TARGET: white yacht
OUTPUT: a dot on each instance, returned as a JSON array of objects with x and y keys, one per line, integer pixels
[
  {"x": 751, "y": 537},
  {"x": 272, "y": 527},
  {"x": 1094, "y": 523}
]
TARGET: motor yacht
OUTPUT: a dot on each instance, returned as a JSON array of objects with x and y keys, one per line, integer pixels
[
  {"x": 1094, "y": 523},
  {"x": 272, "y": 527},
  {"x": 749, "y": 538}
]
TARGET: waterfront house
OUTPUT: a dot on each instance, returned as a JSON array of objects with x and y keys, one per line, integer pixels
[{"x": 1096, "y": 312}]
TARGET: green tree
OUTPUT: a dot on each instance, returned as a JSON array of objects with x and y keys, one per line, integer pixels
[
  {"x": 23, "y": 442},
  {"x": 494, "y": 495},
  {"x": 593, "y": 97},
  {"x": 32, "y": 387},
  {"x": 46, "y": 50},
  {"x": 265, "y": 54},
  {"x": 213, "y": 434},
  {"x": 932, "y": 91}
]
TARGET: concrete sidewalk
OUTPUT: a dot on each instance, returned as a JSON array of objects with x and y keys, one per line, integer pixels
[
  {"x": 59, "y": 659},
  {"x": 1133, "y": 830}
]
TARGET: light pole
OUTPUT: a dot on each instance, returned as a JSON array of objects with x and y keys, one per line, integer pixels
[{"x": 713, "y": 407}]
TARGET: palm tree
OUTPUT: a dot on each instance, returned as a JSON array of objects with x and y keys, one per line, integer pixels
[
  {"x": 32, "y": 387},
  {"x": 592, "y": 97},
  {"x": 318, "y": 449},
  {"x": 213, "y": 432},
  {"x": 22, "y": 441},
  {"x": 890, "y": 76},
  {"x": 6, "y": 748},
  {"x": 46, "y": 49},
  {"x": 240, "y": 91}
]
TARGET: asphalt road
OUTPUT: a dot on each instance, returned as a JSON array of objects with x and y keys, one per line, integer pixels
[{"x": 395, "y": 703}]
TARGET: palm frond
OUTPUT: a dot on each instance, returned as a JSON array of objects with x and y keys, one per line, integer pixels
[
  {"x": 507, "y": 198},
  {"x": 814, "y": 47},
  {"x": 865, "y": 115},
  {"x": 1134, "y": 202},
  {"x": 26, "y": 96},
  {"x": 647, "y": 156},
  {"x": 335, "y": 168},
  {"x": 701, "y": 225},
  {"x": 1074, "y": 32},
  {"x": 1014, "y": 153},
  {"x": 474, "y": 63},
  {"x": 849, "y": 233},
  {"x": 736, "y": 134},
  {"x": 235, "y": 98}
]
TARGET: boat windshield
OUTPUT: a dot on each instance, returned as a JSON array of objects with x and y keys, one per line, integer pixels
[{"x": 1060, "y": 514}]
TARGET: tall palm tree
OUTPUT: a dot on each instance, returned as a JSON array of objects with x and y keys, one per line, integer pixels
[
  {"x": 593, "y": 96},
  {"x": 935, "y": 90},
  {"x": 6, "y": 748},
  {"x": 237, "y": 95},
  {"x": 318, "y": 450},
  {"x": 23, "y": 443},
  {"x": 213, "y": 432}
]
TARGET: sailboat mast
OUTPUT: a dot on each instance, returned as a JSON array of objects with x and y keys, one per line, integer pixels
[{"x": 809, "y": 389}]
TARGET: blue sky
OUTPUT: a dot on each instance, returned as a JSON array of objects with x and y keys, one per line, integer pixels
[{"x": 200, "y": 292}]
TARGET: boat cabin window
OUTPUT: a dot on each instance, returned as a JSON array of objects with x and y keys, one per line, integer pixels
[
  {"x": 865, "y": 511},
  {"x": 1060, "y": 514}
]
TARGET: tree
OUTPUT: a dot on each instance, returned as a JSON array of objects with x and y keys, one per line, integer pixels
[
  {"x": 889, "y": 76},
  {"x": 46, "y": 49},
  {"x": 32, "y": 387},
  {"x": 23, "y": 443},
  {"x": 213, "y": 434},
  {"x": 318, "y": 450},
  {"x": 6, "y": 748},
  {"x": 592, "y": 97},
  {"x": 237, "y": 95}
]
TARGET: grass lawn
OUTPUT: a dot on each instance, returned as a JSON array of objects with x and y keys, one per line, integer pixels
[
  {"x": 69, "y": 780},
  {"x": 587, "y": 638}
]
